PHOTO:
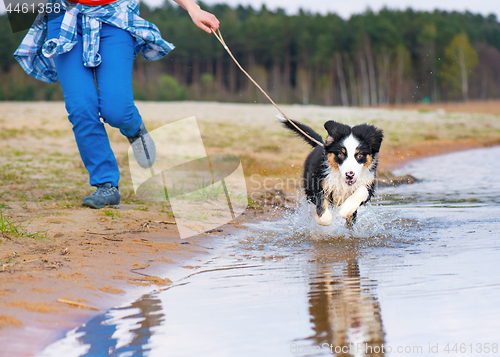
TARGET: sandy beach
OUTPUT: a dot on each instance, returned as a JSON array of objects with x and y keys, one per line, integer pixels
[{"x": 63, "y": 263}]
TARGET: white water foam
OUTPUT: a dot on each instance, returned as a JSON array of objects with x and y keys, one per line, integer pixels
[{"x": 372, "y": 222}]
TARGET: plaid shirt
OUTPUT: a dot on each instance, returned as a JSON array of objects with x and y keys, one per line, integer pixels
[{"x": 36, "y": 51}]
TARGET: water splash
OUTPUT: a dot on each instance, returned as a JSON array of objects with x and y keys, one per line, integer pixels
[{"x": 373, "y": 222}]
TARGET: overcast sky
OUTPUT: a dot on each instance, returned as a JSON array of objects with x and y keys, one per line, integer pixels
[{"x": 346, "y": 8}]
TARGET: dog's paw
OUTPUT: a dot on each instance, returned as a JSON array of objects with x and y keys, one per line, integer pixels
[
  {"x": 353, "y": 202},
  {"x": 347, "y": 209},
  {"x": 325, "y": 219}
]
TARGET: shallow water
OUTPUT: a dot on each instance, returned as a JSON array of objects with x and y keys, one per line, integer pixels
[{"x": 418, "y": 276}]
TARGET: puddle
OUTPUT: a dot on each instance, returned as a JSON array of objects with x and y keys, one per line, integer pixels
[{"x": 418, "y": 276}]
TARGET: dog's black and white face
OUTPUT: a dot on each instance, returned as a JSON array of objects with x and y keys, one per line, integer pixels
[{"x": 353, "y": 152}]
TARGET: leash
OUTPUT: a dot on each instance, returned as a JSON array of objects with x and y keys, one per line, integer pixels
[{"x": 221, "y": 40}]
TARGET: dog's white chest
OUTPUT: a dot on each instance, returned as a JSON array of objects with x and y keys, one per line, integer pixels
[{"x": 335, "y": 188}]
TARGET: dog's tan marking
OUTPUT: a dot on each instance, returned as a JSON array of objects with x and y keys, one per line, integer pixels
[
  {"x": 349, "y": 222},
  {"x": 344, "y": 151},
  {"x": 326, "y": 190},
  {"x": 369, "y": 161},
  {"x": 331, "y": 161}
]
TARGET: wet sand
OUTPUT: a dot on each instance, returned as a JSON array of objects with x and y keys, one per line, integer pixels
[{"x": 92, "y": 260}]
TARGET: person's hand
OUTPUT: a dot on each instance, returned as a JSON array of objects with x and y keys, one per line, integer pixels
[{"x": 204, "y": 20}]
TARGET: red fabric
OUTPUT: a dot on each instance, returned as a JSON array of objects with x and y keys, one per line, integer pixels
[{"x": 93, "y": 2}]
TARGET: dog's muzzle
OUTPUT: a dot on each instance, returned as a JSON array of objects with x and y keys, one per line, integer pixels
[{"x": 349, "y": 178}]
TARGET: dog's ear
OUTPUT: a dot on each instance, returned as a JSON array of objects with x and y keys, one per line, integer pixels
[
  {"x": 376, "y": 140},
  {"x": 336, "y": 131},
  {"x": 369, "y": 134},
  {"x": 330, "y": 126}
]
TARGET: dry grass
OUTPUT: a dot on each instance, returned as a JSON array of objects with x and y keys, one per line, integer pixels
[
  {"x": 473, "y": 106},
  {"x": 39, "y": 160}
]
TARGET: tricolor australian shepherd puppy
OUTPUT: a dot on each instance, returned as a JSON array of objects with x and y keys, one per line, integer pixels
[{"x": 342, "y": 173}]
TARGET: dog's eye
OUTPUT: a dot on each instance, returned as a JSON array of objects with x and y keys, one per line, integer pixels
[
  {"x": 359, "y": 156},
  {"x": 341, "y": 155}
]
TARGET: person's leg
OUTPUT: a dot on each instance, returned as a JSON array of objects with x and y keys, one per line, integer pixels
[
  {"x": 114, "y": 80},
  {"x": 116, "y": 97},
  {"x": 82, "y": 104}
]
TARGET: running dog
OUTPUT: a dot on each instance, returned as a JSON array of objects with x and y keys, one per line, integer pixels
[{"x": 342, "y": 173}]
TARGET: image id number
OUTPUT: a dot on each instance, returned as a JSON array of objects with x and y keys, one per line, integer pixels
[
  {"x": 24, "y": 8},
  {"x": 472, "y": 348}
]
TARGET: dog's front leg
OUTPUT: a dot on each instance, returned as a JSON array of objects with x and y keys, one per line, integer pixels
[
  {"x": 350, "y": 206},
  {"x": 323, "y": 216}
]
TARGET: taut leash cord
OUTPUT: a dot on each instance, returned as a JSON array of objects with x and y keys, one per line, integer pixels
[{"x": 221, "y": 40}]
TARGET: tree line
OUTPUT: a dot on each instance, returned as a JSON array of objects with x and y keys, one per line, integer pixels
[{"x": 389, "y": 57}]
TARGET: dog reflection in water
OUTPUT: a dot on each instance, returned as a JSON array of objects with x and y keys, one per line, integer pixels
[{"x": 345, "y": 313}]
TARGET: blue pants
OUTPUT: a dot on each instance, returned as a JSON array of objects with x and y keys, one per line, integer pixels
[{"x": 101, "y": 92}]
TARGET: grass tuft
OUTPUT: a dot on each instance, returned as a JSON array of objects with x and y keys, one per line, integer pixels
[
  {"x": 112, "y": 213},
  {"x": 10, "y": 229}
]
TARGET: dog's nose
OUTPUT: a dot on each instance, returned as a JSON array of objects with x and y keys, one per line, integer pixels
[{"x": 349, "y": 175}]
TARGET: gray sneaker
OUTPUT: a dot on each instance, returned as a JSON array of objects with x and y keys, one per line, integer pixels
[
  {"x": 144, "y": 147},
  {"x": 105, "y": 195}
]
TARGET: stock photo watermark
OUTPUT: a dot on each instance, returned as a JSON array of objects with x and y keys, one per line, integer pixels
[
  {"x": 204, "y": 191},
  {"x": 486, "y": 348},
  {"x": 22, "y": 13}
]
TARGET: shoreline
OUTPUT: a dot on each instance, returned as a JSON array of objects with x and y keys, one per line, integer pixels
[
  {"x": 394, "y": 160},
  {"x": 60, "y": 299},
  {"x": 104, "y": 258},
  {"x": 43, "y": 320}
]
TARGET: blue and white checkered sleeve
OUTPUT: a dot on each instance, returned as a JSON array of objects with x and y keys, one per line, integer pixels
[{"x": 29, "y": 53}]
